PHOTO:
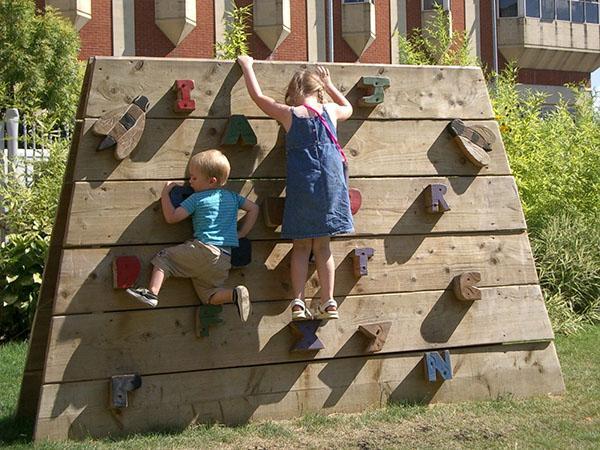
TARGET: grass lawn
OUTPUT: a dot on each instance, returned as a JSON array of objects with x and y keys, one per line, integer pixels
[{"x": 570, "y": 421}]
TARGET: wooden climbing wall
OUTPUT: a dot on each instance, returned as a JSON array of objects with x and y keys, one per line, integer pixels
[{"x": 86, "y": 331}]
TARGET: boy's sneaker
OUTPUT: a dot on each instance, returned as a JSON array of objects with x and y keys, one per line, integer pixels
[
  {"x": 241, "y": 298},
  {"x": 143, "y": 295}
]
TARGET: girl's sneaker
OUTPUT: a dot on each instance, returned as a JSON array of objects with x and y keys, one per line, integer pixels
[
  {"x": 143, "y": 295},
  {"x": 322, "y": 312},
  {"x": 241, "y": 299}
]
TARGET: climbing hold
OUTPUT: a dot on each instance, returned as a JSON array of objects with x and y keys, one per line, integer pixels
[
  {"x": 464, "y": 286},
  {"x": 179, "y": 193},
  {"x": 360, "y": 259},
  {"x": 374, "y": 87},
  {"x": 123, "y": 127},
  {"x": 239, "y": 129},
  {"x": 434, "y": 364},
  {"x": 120, "y": 385},
  {"x": 434, "y": 198},
  {"x": 207, "y": 315},
  {"x": 305, "y": 333},
  {"x": 474, "y": 142},
  {"x": 355, "y": 200},
  {"x": 184, "y": 102},
  {"x": 126, "y": 271},
  {"x": 376, "y": 334},
  {"x": 273, "y": 211},
  {"x": 242, "y": 255}
]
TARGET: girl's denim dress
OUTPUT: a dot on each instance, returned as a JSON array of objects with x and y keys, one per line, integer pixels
[{"x": 317, "y": 202}]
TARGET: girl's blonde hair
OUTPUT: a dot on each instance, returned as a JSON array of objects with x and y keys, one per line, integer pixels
[
  {"x": 211, "y": 163},
  {"x": 303, "y": 84}
]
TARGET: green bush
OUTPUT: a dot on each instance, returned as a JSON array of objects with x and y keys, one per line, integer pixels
[
  {"x": 39, "y": 69},
  {"x": 28, "y": 217},
  {"x": 236, "y": 33}
]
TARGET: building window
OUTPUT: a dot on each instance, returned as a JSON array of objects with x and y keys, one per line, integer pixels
[
  {"x": 429, "y": 5},
  {"x": 576, "y": 11},
  {"x": 357, "y": 1},
  {"x": 508, "y": 8}
]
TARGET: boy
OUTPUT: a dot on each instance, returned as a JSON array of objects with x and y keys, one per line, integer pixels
[{"x": 207, "y": 258}]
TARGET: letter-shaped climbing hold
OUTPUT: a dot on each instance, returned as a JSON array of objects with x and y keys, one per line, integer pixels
[
  {"x": 464, "y": 287},
  {"x": 355, "y": 200},
  {"x": 238, "y": 129},
  {"x": 434, "y": 364},
  {"x": 376, "y": 334},
  {"x": 207, "y": 315},
  {"x": 305, "y": 333},
  {"x": 179, "y": 193},
  {"x": 126, "y": 271},
  {"x": 242, "y": 255},
  {"x": 474, "y": 142},
  {"x": 360, "y": 258},
  {"x": 434, "y": 198},
  {"x": 123, "y": 127},
  {"x": 273, "y": 211},
  {"x": 184, "y": 102},
  {"x": 120, "y": 385},
  {"x": 375, "y": 89}
]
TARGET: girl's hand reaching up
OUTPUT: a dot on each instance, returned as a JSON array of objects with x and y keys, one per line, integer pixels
[
  {"x": 323, "y": 73},
  {"x": 245, "y": 61}
]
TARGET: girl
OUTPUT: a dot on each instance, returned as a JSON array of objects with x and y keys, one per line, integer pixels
[{"x": 317, "y": 204}]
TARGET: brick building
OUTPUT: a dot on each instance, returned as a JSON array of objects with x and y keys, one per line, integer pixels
[{"x": 554, "y": 41}]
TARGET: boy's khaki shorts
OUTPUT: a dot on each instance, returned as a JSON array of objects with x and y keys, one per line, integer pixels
[{"x": 204, "y": 264}]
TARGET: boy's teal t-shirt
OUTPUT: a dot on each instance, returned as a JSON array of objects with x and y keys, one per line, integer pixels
[{"x": 214, "y": 216}]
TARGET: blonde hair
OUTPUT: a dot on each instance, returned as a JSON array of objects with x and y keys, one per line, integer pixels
[
  {"x": 211, "y": 163},
  {"x": 303, "y": 84}
]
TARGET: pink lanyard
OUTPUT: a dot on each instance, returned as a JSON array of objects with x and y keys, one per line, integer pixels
[{"x": 331, "y": 135}]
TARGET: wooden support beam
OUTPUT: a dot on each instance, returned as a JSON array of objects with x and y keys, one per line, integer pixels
[
  {"x": 239, "y": 130},
  {"x": 120, "y": 385},
  {"x": 126, "y": 271},
  {"x": 207, "y": 315},
  {"x": 360, "y": 259},
  {"x": 376, "y": 334},
  {"x": 434, "y": 198},
  {"x": 184, "y": 102},
  {"x": 464, "y": 286},
  {"x": 374, "y": 88},
  {"x": 305, "y": 333},
  {"x": 434, "y": 364},
  {"x": 273, "y": 211},
  {"x": 123, "y": 127}
]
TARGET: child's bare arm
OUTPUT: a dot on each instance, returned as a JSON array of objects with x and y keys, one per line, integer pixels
[
  {"x": 171, "y": 214},
  {"x": 344, "y": 109},
  {"x": 269, "y": 106},
  {"x": 247, "y": 222}
]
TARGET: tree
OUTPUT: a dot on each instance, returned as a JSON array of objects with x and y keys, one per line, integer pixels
[{"x": 40, "y": 69}]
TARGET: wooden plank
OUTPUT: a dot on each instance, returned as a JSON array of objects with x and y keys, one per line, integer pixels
[
  {"x": 415, "y": 92},
  {"x": 400, "y": 264},
  {"x": 93, "y": 346},
  {"x": 402, "y": 147},
  {"x": 125, "y": 213},
  {"x": 233, "y": 396}
]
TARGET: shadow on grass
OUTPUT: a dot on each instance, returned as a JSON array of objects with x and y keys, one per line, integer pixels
[{"x": 15, "y": 430}]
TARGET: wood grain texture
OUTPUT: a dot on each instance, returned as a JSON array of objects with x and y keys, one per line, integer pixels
[
  {"x": 415, "y": 91},
  {"x": 233, "y": 396},
  {"x": 92, "y": 346},
  {"x": 400, "y": 264},
  {"x": 384, "y": 148},
  {"x": 125, "y": 213}
]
